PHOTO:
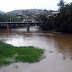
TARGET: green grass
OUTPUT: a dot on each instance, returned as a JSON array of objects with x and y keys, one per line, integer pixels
[{"x": 10, "y": 54}]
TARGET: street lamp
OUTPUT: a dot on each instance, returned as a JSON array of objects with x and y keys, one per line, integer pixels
[{"x": 10, "y": 19}]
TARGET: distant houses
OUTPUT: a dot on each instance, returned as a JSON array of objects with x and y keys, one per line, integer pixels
[
  {"x": 30, "y": 15},
  {"x": 53, "y": 13}
]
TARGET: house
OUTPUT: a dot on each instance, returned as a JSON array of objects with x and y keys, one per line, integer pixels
[{"x": 53, "y": 13}]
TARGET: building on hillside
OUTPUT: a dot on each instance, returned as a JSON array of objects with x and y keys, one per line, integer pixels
[
  {"x": 53, "y": 13},
  {"x": 29, "y": 20},
  {"x": 19, "y": 15}
]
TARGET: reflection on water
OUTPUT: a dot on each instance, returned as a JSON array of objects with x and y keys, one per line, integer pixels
[
  {"x": 64, "y": 43},
  {"x": 58, "y": 50}
]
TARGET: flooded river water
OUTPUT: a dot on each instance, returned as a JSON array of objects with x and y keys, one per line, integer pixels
[{"x": 58, "y": 50}]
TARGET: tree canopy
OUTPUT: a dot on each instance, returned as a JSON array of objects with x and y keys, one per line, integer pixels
[
  {"x": 62, "y": 22},
  {"x": 6, "y": 18}
]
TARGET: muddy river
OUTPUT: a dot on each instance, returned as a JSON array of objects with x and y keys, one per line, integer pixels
[{"x": 58, "y": 50}]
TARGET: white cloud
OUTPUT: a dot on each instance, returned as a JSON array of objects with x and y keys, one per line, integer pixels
[{"x": 9, "y": 5}]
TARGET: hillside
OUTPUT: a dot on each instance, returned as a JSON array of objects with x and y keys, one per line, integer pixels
[
  {"x": 2, "y": 12},
  {"x": 23, "y": 11}
]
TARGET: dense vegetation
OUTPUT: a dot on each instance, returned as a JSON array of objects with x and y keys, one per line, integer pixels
[
  {"x": 62, "y": 22},
  {"x": 10, "y": 54},
  {"x": 6, "y": 18}
]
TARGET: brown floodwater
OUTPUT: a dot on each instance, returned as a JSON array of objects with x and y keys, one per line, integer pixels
[{"x": 58, "y": 50}]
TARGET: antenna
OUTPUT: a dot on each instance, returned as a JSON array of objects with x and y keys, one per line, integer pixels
[
  {"x": 37, "y": 4},
  {"x": 33, "y": 4}
]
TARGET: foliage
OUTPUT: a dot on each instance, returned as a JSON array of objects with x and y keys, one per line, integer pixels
[
  {"x": 48, "y": 24},
  {"x": 41, "y": 17},
  {"x": 6, "y": 18},
  {"x": 61, "y": 4},
  {"x": 62, "y": 22}
]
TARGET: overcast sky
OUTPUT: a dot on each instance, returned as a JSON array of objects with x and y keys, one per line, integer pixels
[{"x": 9, "y": 5}]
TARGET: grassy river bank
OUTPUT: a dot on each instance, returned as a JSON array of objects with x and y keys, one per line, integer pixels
[{"x": 10, "y": 54}]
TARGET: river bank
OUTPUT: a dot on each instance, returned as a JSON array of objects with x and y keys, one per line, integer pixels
[{"x": 10, "y": 54}]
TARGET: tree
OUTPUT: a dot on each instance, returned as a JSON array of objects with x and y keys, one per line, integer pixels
[
  {"x": 61, "y": 4},
  {"x": 6, "y": 18},
  {"x": 41, "y": 17},
  {"x": 63, "y": 22}
]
